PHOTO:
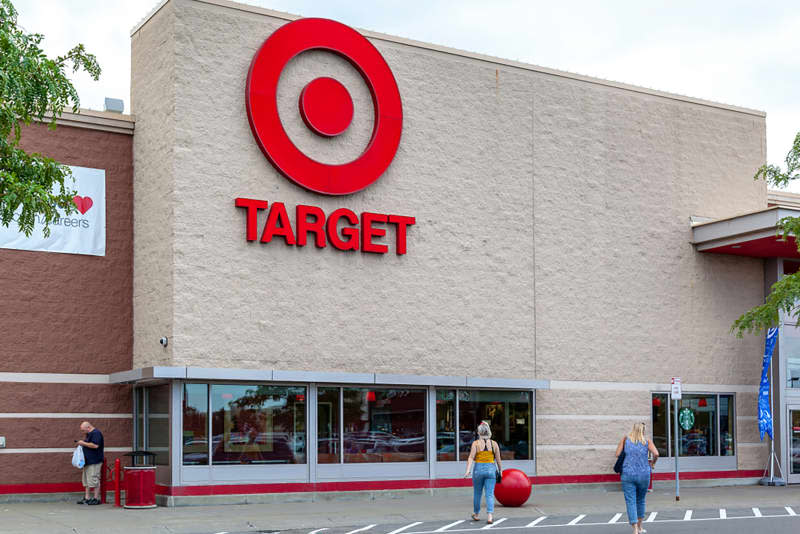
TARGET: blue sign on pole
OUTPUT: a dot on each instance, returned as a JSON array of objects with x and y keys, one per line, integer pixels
[{"x": 764, "y": 409}]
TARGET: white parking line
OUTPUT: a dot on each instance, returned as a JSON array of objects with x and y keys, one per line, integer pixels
[
  {"x": 442, "y": 529},
  {"x": 575, "y": 521},
  {"x": 401, "y": 529},
  {"x": 789, "y": 510},
  {"x": 495, "y": 523},
  {"x": 687, "y": 516},
  {"x": 361, "y": 529},
  {"x": 652, "y": 517},
  {"x": 615, "y": 518},
  {"x": 756, "y": 512},
  {"x": 536, "y": 521},
  {"x": 723, "y": 515},
  {"x": 318, "y": 530}
]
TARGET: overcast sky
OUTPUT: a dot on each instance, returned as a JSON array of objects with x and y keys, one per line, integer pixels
[{"x": 731, "y": 51}]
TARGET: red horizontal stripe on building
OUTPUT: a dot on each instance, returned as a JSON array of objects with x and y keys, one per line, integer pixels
[
  {"x": 368, "y": 485},
  {"x": 377, "y": 485}
]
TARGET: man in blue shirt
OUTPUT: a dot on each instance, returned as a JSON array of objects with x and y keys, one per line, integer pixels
[{"x": 93, "y": 454}]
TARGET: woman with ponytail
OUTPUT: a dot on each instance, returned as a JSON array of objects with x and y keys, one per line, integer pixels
[{"x": 485, "y": 455}]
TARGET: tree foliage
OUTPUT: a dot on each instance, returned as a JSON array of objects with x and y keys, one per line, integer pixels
[
  {"x": 33, "y": 86},
  {"x": 785, "y": 293}
]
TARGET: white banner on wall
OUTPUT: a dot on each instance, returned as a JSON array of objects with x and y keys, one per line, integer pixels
[{"x": 83, "y": 232}]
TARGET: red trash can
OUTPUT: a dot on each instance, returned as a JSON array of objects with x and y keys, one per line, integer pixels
[{"x": 140, "y": 487}]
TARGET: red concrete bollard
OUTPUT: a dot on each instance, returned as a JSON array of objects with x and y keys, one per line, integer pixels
[{"x": 515, "y": 488}]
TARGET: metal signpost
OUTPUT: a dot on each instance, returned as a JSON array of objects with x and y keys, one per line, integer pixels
[{"x": 675, "y": 395}]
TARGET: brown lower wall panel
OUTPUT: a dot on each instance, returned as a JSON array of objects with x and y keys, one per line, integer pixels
[
  {"x": 27, "y": 397},
  {"x": 46, "y": 433},
  {"x": 45, "y": 468},
  {"x": 72, "y": 313}
]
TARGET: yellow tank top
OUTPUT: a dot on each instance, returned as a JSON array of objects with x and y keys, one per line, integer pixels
[{"x": 485, "y": 457}]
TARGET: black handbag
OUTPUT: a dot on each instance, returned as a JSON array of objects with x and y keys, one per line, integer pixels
[
  {"x": 620, "y": 461},
  {"x": 498, "y": 475}
]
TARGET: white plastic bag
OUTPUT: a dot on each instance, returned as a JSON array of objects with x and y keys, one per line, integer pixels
[{"x": 77, "y": 457}]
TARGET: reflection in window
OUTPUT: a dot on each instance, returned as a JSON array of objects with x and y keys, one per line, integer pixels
[
  {"x": 158, "y": 422},
  {"x": 661, "y": 423},
  {"x": 790, "y": 347},
  {"x": 195, "y": 424},
  {"x": 726, "y": 426},
  {"x": 258, "y": 424},
  {"x": 384, "y": 425},
  {"x": 328, "y": 425},
  {"x": 701, "y": 438},
  {"x": 445, "y": 425},
  {"x": 705, "y": 413},
  {"x": 794, "y": 446},
  {"x": 508, "y": 414}
]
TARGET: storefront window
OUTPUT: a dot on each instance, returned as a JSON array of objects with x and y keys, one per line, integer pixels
[
  {"x": 701, "y": 437},
  {"x": 508, "y": 414},
  {"x": 195, "y": 424},
  {"x": 258, "y": 424},
  {"x": 726, "y": 418},
  {"x": 384, "y": 425},
  {"x": 661, "y": 423},
  {"x": 794, "y": 446},
  {"x": 158, "y": 422},
  {"x": 705, "y": 424},
  {"x": 328, "y": 426},
  {"x": 446, "y": 425},
  {"x": 789, "y": 347}
]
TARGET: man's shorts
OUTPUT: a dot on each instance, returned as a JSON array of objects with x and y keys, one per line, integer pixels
[{"x": 91, "y": 475}]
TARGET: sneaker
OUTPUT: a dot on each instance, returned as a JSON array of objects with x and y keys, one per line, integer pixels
[
  {"x": 93, "y": 501},
  {"x": 83, "y": 501}
]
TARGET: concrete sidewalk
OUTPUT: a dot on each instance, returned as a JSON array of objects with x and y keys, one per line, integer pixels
[{"x": 361, "y": 509}]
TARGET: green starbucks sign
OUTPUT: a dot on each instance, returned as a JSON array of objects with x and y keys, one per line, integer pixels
[{"x": 686, "y": 418}]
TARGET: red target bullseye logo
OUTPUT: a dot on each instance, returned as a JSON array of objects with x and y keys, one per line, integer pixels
[{"x": 325, "y": 106}]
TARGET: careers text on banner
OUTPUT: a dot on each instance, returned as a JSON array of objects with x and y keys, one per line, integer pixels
[{"x": 83, "y": 232}]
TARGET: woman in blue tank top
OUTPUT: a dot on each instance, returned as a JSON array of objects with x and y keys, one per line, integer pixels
[{"x": 636, "y": 473}]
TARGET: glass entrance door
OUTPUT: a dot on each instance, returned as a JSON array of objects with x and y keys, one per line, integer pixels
[{"x": 794, "y": 445}]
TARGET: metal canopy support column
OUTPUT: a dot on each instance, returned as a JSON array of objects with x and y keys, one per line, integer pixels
[
  {"x": 176, "y": 431},
  {"x": 311, "y": 432},
  {"x": 431, "y": 431}
]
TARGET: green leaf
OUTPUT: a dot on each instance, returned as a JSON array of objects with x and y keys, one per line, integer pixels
[
  {"x": 785, "y": 294},
  {"x": 31, "y": 86}
]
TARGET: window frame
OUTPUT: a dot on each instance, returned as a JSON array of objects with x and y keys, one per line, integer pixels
[
  {"x": 457, "y": 415},
  {"x": 312, "y": 471},
  {"x": 670, "y": 457},
  {"x": 341, "y": 389},
  {"x": 210, "y": 421}
]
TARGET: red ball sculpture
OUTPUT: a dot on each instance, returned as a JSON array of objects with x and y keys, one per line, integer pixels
[{"x": 515, "y": 488}]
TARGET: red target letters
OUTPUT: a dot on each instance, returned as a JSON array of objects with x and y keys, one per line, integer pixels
[{"x": 343, "y": 229}]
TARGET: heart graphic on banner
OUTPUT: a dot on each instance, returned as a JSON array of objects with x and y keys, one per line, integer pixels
[{"x": 82, "y": 203}]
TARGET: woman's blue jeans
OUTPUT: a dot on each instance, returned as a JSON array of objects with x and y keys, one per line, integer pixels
[
  {"x": 483, "y": 480},
  {"x": 634, "y": 487}
]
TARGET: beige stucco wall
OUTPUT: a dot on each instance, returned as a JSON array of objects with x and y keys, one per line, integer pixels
[
  {"x": 552, "y": 237},
  {"x": 460, "y": 297},
  {"x": 153, "y": 84}
]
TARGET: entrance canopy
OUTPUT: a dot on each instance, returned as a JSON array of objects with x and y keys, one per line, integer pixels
[{"x": 753, "y": 234}]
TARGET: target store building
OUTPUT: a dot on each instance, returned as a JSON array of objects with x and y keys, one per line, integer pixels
[{"x": 330, "y": 253}]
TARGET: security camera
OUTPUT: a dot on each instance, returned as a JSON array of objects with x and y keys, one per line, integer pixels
[{"x": 164, "y": 341}]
